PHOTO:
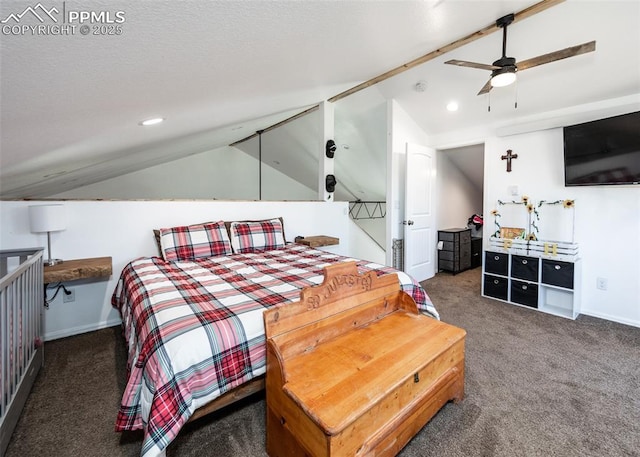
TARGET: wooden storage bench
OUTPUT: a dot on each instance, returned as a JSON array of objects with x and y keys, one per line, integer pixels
[{"x": 353, "y": 369}]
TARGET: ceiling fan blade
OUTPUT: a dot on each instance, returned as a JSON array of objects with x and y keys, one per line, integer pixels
[
  {"x": 486, "y": 88},
  {"x": 557, "y": 55},
  {"x": 464, "y": 63}
]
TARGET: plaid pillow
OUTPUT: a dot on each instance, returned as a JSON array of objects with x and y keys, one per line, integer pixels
[
  {"x": 195, "y": 241},
  {"x": 256, "y": 236}
]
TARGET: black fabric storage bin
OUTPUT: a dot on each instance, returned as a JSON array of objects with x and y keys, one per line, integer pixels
[
  {"x": 523, "y": 267},
  {"x": 446, "y": 264},
  {"x": 447, "y": 255},
  {"x": 524, "y": 293},
  {"x": 446, "y": 236},
  {"x": 495, "y": 287},
  {"x": 448, "y": 245},
  {"x": 496, "y": 262},
  {"x": 557, "y": 273}
]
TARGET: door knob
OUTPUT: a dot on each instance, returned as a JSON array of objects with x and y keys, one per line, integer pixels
[{"x": 409, "y": 222}]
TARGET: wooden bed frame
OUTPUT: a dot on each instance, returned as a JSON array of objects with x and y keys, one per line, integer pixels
[{"x": 256, "y": 385}]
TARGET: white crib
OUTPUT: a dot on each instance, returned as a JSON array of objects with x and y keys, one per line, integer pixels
[{"x": 21, "y": 348}]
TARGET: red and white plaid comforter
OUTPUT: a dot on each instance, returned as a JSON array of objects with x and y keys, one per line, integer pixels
[{"x": 194, "y": 329}]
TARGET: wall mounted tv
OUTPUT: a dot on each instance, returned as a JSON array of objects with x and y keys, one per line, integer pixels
[{"x": 603, "y": 152}]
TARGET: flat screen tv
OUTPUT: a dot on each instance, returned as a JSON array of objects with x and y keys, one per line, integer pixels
[{"x": 603, "y": 152}]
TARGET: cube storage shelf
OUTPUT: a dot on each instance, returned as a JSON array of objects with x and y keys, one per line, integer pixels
[{"x": 545, "y": 283}]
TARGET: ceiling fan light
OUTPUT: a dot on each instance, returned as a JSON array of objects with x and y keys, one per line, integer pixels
[{"x": 503, "y": 79}]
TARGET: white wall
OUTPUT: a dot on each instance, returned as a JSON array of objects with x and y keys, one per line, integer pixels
[
  {"x": 402, "y": 129},
  {"x": 289, "y": 155},
  {"x": 361, "y": 125},
  {"x": 278, "y": 186},
  {"x": 223, "y": 174},
  {"x": 123, "y": 230},
  {"x": 607, "y": 218},
  {"x": 375, "y": 228},
  {"x": 363, "y": 247},
  {"x": 457, "y": 198}
]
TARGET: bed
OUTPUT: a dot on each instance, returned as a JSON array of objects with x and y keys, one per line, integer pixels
[{"x": 192, "y": 318}]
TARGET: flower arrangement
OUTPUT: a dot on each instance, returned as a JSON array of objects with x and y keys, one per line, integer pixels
[
  {"x": 532, "y": 210},
  {"x": 496, "y": 215},
  {"x": 565, "y": 203}
]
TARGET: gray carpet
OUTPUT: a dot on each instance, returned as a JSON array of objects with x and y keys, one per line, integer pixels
[{"x": 536, "y": 385}]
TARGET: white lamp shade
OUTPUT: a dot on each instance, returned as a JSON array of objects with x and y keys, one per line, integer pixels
[
  {"x": 47, "y": 218},
  {"x": 503, "y": 79}
]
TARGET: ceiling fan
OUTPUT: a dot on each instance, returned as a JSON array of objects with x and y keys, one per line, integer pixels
[{"x": 503, "y": 70}]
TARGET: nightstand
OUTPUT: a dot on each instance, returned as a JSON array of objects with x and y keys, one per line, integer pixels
[
  {"x": 72, "y": 270},
  {"x": 318, "y": 241}
]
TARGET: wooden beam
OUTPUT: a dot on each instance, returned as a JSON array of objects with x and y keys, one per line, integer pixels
[
  {"x": 279, "y": 124},
  {"x": 253, "y": 135},
  {"x": 525, "y": 13}
]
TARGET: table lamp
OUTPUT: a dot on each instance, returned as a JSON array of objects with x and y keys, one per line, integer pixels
[{"x": 47, "y": 218}]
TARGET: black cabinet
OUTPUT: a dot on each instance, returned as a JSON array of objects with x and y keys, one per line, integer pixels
[
  {"x": 455, "y": 252},
  {"x": 476, "y": 252}
]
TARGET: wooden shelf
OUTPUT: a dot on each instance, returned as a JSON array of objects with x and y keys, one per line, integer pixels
[
  {"x": 72, "y": 270},
  {"x": 318, "y": 241}
]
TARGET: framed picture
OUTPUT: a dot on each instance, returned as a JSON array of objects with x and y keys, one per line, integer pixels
[{"x": 512, "y": 232}]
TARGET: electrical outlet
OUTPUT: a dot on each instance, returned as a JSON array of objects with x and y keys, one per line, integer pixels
[
  {"x": 601, "y": 283},
  {"x": 69, "y": 298}
]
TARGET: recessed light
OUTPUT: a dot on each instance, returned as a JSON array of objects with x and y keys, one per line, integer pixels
[
  {"x": 152, "y": 121},
  {"x": 452, "y": 106}
]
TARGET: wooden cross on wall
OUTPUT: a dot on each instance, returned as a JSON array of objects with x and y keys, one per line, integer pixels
[{"x": 508, "y": 157}]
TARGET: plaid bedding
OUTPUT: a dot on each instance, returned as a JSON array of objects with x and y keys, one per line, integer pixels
[{"x": 194, "y": 329}]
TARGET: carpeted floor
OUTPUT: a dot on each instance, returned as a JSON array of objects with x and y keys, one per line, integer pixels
[{"x": 536, "y": 385}]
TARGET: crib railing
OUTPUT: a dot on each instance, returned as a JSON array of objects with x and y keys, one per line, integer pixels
[{"x": 21, "y": 350}]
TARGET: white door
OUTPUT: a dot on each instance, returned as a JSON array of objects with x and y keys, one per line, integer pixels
[{"x": 419, "y": 235}]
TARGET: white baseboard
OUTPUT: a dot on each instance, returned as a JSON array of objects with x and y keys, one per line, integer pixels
[
  {"x": 633, "y": 323},
  {"x": 81, "y": 329}
]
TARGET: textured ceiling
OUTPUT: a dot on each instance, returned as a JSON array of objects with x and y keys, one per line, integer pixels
[{"x": 220, "y": 70}]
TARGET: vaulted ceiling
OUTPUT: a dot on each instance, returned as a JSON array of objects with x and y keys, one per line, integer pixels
[{"x": 217, "y": 71}]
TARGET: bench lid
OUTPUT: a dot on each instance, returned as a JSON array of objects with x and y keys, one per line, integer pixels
[{"x": 338, "y": 381}]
